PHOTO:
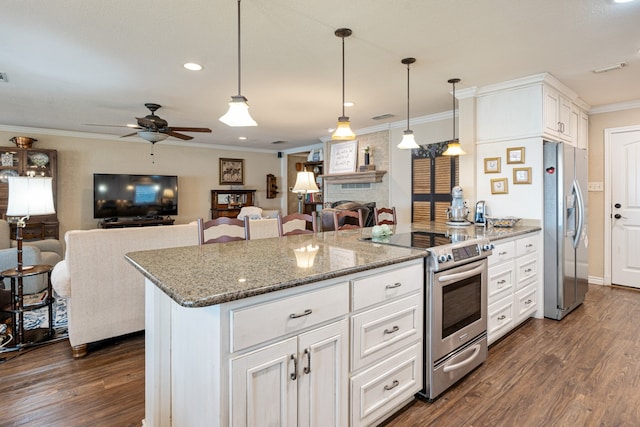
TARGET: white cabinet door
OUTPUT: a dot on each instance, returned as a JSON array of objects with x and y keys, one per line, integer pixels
[
  {"x": 551, "y": 111},
  {"x": 565, "y": 111},
  {"x": 583, "y": 131},
  {"x": 263, "y": 392},
  {"x": 323, "y": 376}
]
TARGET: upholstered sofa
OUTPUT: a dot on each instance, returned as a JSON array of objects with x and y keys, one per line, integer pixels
[{"x": 105, "y": 294}]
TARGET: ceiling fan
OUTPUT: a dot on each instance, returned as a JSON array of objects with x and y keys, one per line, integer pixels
[{"x": 154, "y": 128}]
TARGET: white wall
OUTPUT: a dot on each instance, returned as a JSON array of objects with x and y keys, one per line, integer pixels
[{"x": 79, "y": 157}]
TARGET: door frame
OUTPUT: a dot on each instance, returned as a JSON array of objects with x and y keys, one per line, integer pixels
[{"x": 608, "y": 134}]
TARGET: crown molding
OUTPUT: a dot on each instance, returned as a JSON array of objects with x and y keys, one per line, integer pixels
[{"x": 611, "y": 108}]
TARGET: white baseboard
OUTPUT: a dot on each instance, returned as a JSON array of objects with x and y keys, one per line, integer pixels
[{"x": 595, "y": 280}]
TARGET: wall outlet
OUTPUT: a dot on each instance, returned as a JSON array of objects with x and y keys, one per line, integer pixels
[{"x": 596, "y": 186}]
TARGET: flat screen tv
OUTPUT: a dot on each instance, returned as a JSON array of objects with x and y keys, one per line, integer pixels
[{"x": 134, "y": 196}]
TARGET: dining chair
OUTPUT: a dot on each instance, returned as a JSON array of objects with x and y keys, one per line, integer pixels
[
  {"x": 303, "y": 221},
  {"x": 386, "y": 212},
  {"x": 346, "y": 221},
  {"x": 231, "y": 229}
]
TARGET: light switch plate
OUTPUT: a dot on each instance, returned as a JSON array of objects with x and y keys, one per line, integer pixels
[{"x": 596, "y": 186}]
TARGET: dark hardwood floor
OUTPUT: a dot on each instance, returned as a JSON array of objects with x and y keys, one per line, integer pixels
[{"x": 582, "y": 371}]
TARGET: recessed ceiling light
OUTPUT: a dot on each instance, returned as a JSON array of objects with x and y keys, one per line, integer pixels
[
  {"x": 349, "y": 104},
  {"x": 192, "y": 66},
  {"x": 622, "y": 1},
  {"x": 242, "y": 138}
]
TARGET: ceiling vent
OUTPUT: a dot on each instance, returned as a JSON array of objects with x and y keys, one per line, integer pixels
[
  {"x": 383, "y": 116},
  {"x": 3, "y": 78},
  {"x": 279, "y": 142}
]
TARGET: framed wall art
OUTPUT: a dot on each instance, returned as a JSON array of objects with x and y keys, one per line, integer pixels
[
  {"x": 343, "y": 157},
  {"x": 492, "y": 164},
  {"x": 515, "y": 155},
  {"x": 232, "y": 171},
  {"x": 522, "y": 175},
  {"x": 499, "y": 186}
]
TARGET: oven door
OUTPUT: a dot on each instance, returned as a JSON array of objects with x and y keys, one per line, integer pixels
[{"x": 458, "y": 307}]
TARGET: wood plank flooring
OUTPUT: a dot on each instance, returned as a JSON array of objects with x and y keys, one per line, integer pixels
[{"x": 582, "y": 371}]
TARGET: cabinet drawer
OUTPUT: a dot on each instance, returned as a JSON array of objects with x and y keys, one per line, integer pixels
[
  {"x": 382, "y": 287},
  {"x": 526, "y": 245},
  {"x": 501, "y": 281},
  {"x": 379, "y": 332},
  {"x": 500, "y": 319},
  {"x": 262, "y": 322},
  {"x": 527, "y": 268},
  {"x": 379, "y": 390},
  {"x": 502, "y": 252},
  {"x": 526, "y": 302}
]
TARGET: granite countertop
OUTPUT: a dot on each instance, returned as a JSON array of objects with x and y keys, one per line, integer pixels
[{"x": 200, "y": 276}]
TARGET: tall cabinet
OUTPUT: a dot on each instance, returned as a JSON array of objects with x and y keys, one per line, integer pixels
[{"x": 16, "y": 161}]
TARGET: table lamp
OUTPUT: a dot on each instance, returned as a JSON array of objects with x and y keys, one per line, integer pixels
[
  {"x": 28, "y": 196},
  {"x": 305, "y": 184}
]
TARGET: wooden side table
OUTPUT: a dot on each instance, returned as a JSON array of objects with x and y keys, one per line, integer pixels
[{"x": 17, "y": 307}]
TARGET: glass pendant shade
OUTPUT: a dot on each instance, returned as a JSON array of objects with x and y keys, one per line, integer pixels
[
  {"x": 454, "y": 149},
  {"x": 408, "y": 141},
  {"x": 151, "y": 136},
  {"x": 238, "y": 113},
  {"x": 343, "y": 131}
]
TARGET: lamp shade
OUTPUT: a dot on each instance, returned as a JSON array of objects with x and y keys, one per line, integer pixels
[
  {"x": 343, "y": 131},
  {"x": 454, "y": 149},
  {"x": 305, "y": 183},
  {"x": 238, "y": 113},
  {"x": 30, "y": 196},
  {"x": 151, "y": 136},
  {"x": 408, "y": 141}
]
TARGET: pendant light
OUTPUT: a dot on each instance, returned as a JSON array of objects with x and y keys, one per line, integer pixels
[
  {"x": 408, "y": 141},
  {"x": 343, "y": 131},
  {"x": 454, "y": 148},
  {"x": 238, "y": 113}
]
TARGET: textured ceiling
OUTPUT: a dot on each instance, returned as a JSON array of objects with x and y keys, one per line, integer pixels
[{"x": 72, "y": 63}]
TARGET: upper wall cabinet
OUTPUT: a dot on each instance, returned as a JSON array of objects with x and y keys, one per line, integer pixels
[{"x": 536, "y": 106}]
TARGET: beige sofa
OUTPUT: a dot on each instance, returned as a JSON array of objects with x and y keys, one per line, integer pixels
[{"x": 105, "y": 293}]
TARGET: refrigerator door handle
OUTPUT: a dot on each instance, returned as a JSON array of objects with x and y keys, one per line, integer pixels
[{"x": 579, "y": 213}]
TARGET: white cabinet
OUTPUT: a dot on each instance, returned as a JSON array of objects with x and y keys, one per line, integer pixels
[
  {"x": 299, "y": 381},
  {"x": 583, "y": 130},
  {"x": 534, "y": 106},
  {"x": 513, "y": 284},
  {"x": 386, "y": 342}
]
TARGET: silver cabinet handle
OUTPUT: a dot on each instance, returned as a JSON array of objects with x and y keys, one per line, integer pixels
[
  {"x": 527, "y": 302},
  {"x": 502, "y": 253},
  {"x": 392, "y": 330},
  {"x": 502, "y": 282},
  {"x": 529, "y": 245},
  {"x": 528, "y": 270},
  {"x": 502, "y": 317},
  {"x": 393, "y": 385},
  {"x": 307, "y": 312},
  {"x": 395, "y": 285},
  {"x": 294, "y": 374},
  {"x": 307, "y": 369}
]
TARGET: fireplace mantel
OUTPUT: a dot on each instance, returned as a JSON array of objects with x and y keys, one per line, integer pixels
[{"x": 354, "y": 178}]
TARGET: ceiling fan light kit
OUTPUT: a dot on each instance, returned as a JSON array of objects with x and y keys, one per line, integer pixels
[
  {"x": 343, "y": 130},
  {"x": 454, "y": 148},
  {"x": 238, "y": 113},
  {"x": 152, "y": 136},
  {"x": 408, "y": 139}
]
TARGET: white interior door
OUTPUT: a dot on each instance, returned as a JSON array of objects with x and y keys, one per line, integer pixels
[{"x": 625, "y": 207}]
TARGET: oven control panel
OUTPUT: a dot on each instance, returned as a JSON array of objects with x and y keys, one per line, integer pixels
[{"x": 446, "y": 256}]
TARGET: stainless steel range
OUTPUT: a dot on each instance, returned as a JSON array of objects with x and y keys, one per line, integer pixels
[{"x": 455, "y": 304}]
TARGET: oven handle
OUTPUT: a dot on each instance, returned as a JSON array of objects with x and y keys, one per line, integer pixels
[
  {"x": 462, "y": 275},
  {"x": 465, "y": 362}
]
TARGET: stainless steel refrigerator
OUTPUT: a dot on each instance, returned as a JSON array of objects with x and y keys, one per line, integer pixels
[{"x": 565, "y": 228}]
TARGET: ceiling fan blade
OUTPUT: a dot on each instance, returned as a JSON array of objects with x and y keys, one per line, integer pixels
[
  {"x": 129, "y": 134},
  {"x": 112, "y": 126},
  {"x": 178, "y": 135},
  {"x": 185, "y": 129}
]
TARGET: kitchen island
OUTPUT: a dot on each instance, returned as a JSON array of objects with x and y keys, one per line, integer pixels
[{"x": 287, "y": 330}]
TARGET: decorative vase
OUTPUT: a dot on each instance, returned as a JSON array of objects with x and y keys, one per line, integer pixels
[{"x": 23, "y": 141}]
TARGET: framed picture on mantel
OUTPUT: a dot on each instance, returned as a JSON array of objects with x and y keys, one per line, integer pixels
[{"x": 343, "y": 157}]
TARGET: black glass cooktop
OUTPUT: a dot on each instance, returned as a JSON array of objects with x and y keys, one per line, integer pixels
[{"x": 419, "y": 239}]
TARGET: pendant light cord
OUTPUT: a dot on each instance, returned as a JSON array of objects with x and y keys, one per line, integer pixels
[
  {"x": 408, "y": 65},
  {"x": 239, "y": 62},
  {"x": 342, "y": 76},
  {"x": 454, "y": 109}
]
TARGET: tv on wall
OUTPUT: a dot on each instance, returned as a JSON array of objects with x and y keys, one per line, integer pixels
[{"x": 134, "y": 196}]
